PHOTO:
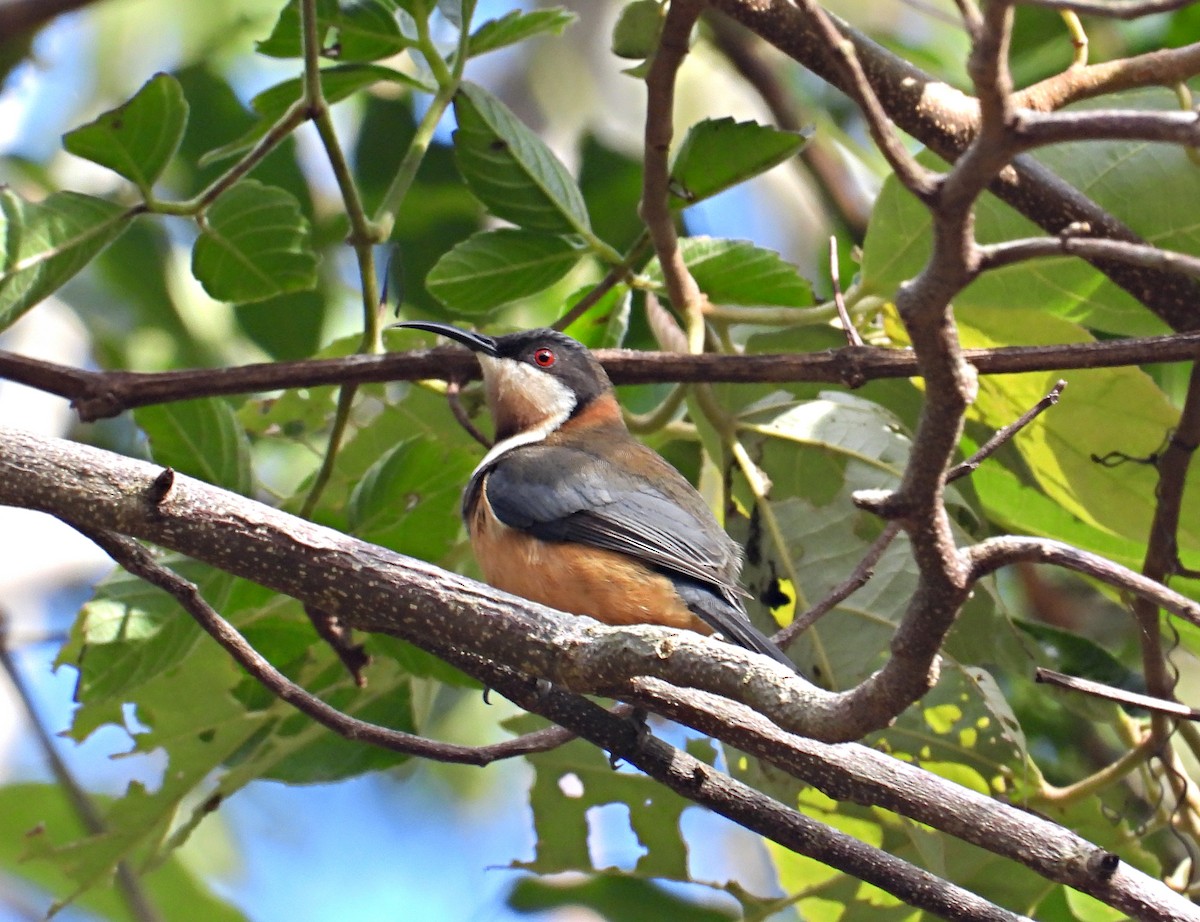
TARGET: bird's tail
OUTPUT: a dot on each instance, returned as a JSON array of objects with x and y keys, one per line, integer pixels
[{"x": 727, "y": 619}]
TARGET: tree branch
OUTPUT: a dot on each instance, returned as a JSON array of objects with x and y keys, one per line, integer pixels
[
  {"x": 1118, "y": 695},
  {"x": 100, "y": 394},
  {"x": 946, "y": 120},
  {"x": 858, "y": 774},
  {"x": 995, "y": 553},
  {"x": 683, "y": 292},
  {"x": 1164, "y": 67},
  {"x": 134, "y": 558},
  {"x": 454, "y": 618}
]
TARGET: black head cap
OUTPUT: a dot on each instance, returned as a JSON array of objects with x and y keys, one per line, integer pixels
[
  {"x": 549, "y": 351},
  {"x": 560, "y": 356}
]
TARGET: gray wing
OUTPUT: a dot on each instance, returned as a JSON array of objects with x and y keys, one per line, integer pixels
[{"x": 559, "y": 493}]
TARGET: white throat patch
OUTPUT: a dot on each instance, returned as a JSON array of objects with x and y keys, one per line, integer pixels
[{"x": 536, "y": 402}]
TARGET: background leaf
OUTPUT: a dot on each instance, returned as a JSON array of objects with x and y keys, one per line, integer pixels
[
  {"x": 46, "y": 243},
  {"x": 511, "y": 170},
  {"x": 719, "y": 153},
  {"x": 201, "y": 438},
  {"x": 738, "y": 272},
  {"x": 517, "y": 26},
  {"x": 139, "y": 138},
  {"x": 337, "y": 83},
  {"x": 496, "y": 267},
  {"x": 254, "y": 245},
  {"x": 363, "y": 30}
]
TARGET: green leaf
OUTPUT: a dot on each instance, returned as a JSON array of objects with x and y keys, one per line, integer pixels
[
  {"x": 738, "y": 272},
  {"x": 511, "y": 170},
  {"x": 337, "y": 83},
  {"x": 496, "y": 267},
  {"x": 46, "y": 243},
  {"x": 817, "y": 453},
  {"x": 719, "y": 153},
  {"x": 195, "y": 720},
  {"x": 254, "y": 245},
  {"x": 517, "y": 26},
  {"x": 366, "y": 30},
  {"x": 561, "y": 819},
  {"x": 200, "y": 438},
  {"x": 635, "y": 35},
  {"x": 611, "y": 894},
  {"x": 139, "y": 138},
  {"x": 1102, "y": 411},
  {"x": 128, "y": 633},
  {"x": 408, "y": 499},
  {"x": 33, "y": 811},
  {"x": 1126, "y": 178},
  {"x": 605, "y": 323}
]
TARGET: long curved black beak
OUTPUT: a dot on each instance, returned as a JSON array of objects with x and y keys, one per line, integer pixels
[{"x": 476, "y": 342}]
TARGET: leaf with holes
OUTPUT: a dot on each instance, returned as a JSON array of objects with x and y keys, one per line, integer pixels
[
  {"x": 511, "y": 170},
  {"x": 138, "y": 139},
  {"x": 45, "y": 243},
  {"x": 496, "y": 267},
  {"x": 720, "y": 153},
  {"x": 255, "y": 245}
]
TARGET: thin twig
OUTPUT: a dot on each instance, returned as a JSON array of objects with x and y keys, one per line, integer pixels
[
  {"x": 861, "y": 574},
  {"x": 922, "y": 182},
  {"x": 1079, "y": 38},
  {"x": 685, "y": 295},
  {"x": 137, "y": 560},
  {"x": 100, "y": 394},
  {"x": 1118, "y": 695},
  {"x": 852, "y": 335},
  {"x": 1003, "y": 435},
  {"x": 453, "y": 397},
  {"x": 612, "y": 278}
]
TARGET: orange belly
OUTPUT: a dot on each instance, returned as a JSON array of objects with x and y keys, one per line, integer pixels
[{"x": 610, "y": 587}]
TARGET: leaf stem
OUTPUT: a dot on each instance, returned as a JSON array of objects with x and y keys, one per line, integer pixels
[{"x": 448, "y": 80}]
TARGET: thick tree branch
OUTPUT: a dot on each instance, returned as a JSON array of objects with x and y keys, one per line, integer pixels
[
  {"x": 751, "y": 809},
  {"x": 459, "y": 620},
  {"x": 134, "y": 558},
  {"x": 431, "y": 608},
  {"x": 858, "y": 774}
]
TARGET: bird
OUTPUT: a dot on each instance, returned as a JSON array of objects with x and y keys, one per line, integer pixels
[{"x": 568, "y": 509}]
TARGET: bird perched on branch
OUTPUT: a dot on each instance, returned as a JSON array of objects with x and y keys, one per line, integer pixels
[{"x": 570, "y": 510}]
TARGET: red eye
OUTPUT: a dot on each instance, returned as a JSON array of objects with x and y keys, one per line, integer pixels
[{"x": 543, "y": 357}]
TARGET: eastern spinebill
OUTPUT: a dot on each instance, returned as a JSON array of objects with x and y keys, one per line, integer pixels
[{"x": 568, "y": 509}]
